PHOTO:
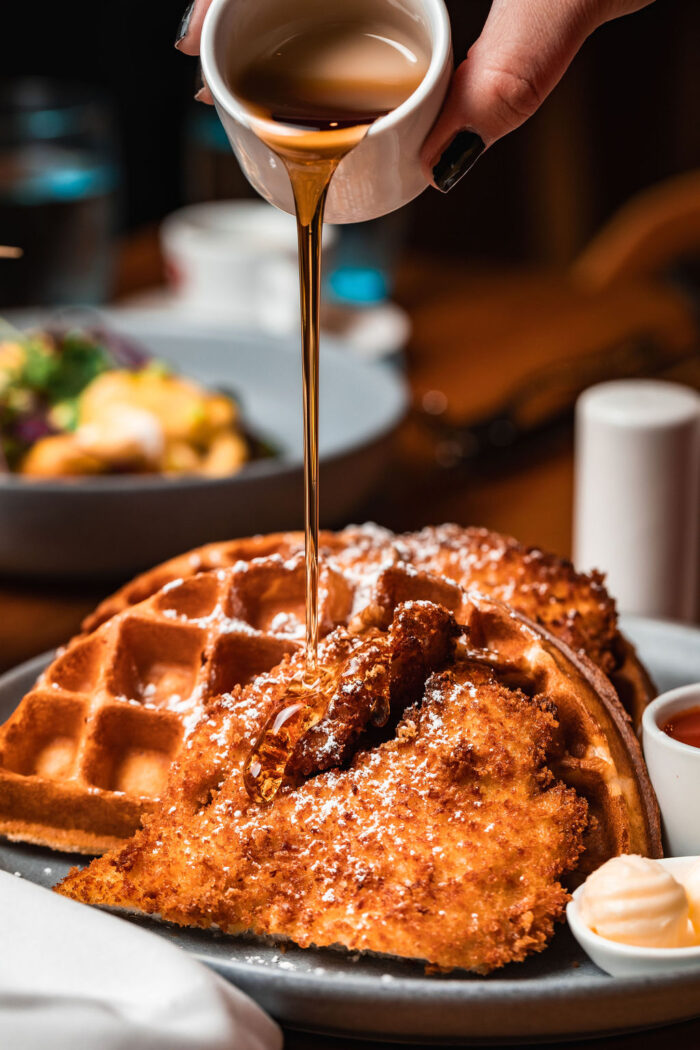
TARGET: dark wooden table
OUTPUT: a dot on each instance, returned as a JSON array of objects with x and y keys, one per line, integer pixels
[
  {"x": 475, "y": 335},
  {"x": 675, "y": 1037}
]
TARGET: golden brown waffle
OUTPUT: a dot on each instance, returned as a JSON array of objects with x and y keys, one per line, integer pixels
[
  {"x": 88, "y": 750},
  {"x": 573, "y": 606},
  {"x": 448, "y": 835}
]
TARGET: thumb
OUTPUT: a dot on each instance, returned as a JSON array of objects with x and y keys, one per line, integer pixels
[{"x": 522, "y": 53}]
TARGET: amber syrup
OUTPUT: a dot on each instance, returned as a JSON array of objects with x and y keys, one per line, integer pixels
[{"x": 311, "y": 98}]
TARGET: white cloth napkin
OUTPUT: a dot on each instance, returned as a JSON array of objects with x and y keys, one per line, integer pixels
[{"x": 74, "y": 977}]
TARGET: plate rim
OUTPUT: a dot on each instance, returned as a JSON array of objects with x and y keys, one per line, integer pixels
[{"x": 687, "y": 630}]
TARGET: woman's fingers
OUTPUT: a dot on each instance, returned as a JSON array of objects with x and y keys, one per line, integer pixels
[
  {"x": 187, "y": 40},
  {"x": 523, "y": 50},
  {"x": 190, "y": 28}
]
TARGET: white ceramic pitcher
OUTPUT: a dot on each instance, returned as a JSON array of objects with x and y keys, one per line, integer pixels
[{"x": 383, "y": 171}]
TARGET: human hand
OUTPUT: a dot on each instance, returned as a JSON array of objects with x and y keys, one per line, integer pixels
[
  {"x": 523, "y": 50},
  {"x": 189, "y": 34}
]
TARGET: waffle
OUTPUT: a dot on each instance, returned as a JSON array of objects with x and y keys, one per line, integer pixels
[
  {"x": 573, "y": 606},
  {"x": 88, "y": 750},
  {"x": 440, "y": 831}
]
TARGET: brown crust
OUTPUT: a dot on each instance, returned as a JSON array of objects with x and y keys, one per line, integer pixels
[
  {"x": 66, "y": 817},
  {"x": 445, "y": 842},
  {"x": 71, "y": 841},
  {"x": 639, "y": 821},
  {"x": 631, "y": 680},
  {"x": 574, "y": 606}
]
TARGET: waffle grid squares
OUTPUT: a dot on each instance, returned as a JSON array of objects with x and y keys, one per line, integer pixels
[{"x": 107, "y": 719}]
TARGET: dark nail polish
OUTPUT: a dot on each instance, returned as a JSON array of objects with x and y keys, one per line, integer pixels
[
  {"x": 456, "y": 160},
  {"x": 184, "y": 24}
]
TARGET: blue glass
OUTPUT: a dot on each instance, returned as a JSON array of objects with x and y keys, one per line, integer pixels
[{"x": 58, "y": 194}]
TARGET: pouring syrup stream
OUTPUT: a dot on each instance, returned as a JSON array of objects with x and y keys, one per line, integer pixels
[{"x": 312, "y": 98}]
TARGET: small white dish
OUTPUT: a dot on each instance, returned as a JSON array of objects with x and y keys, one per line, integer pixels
[
  {"x": 236, "y": 262},
  {"x": 674, "y": 769},
  {"x": 628, "y": 960}
]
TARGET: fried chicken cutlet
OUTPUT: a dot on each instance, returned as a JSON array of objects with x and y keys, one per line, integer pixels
[{"x": 445, "y": 842}]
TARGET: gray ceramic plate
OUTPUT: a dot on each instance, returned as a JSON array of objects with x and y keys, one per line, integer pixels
[
  {"x": 558, "y": 994},
  {"x": 115, "y": 526}
]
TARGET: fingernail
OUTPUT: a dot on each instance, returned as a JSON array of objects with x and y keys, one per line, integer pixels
[
  {"x": 200, "y": 86},
  {"x": 184, "y": 26},
  {"x": 456, "y": 160}
]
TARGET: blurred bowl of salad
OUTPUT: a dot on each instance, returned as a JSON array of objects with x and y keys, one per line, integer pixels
[
  {"x": 124, "y": 441},
  {"x": 77, "y": 402}
]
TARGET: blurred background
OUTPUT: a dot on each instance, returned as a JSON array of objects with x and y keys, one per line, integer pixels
[
  {"x": 624, "y": 118},
  {"x": 569, "y": 255}
]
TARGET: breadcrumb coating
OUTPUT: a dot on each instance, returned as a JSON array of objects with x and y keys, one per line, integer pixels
[{"x": 445, "y": 842}]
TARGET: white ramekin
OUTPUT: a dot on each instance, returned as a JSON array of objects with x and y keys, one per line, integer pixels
[
  {"x": 236, "y": 262},
  {"x": 629, "y": 960},
  {"x": 674, "y": 769}
]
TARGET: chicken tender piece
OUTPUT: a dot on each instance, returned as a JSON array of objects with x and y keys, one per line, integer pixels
[{"x": 574, "y": 606}]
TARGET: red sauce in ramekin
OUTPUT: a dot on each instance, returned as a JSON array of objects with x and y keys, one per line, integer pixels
[{"x": 685, "y": 727}]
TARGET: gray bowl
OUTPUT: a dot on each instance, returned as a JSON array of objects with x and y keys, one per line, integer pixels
[{"x": 111, "y": 526}]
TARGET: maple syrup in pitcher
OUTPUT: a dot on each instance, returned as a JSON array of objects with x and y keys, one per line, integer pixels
[{"x": 312, "y": 93}]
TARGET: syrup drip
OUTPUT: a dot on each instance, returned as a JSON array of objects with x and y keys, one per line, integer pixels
[
  {"x": 310, "y": 186},
  {"x": 311, "y": 158},
  {"x": 310, "y": 172},
  {"x": 305, "y": 704},
  {"x": 311, "y": 98}
]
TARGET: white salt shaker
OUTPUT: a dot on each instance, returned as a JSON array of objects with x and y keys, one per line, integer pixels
[{"x": 637, "y": 493}]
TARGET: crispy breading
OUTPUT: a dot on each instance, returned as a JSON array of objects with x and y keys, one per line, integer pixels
[
  {"x": 574, "y": 606},
  {"x": 444, "y": 843},
  {"x": 387, "y": 673}
]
